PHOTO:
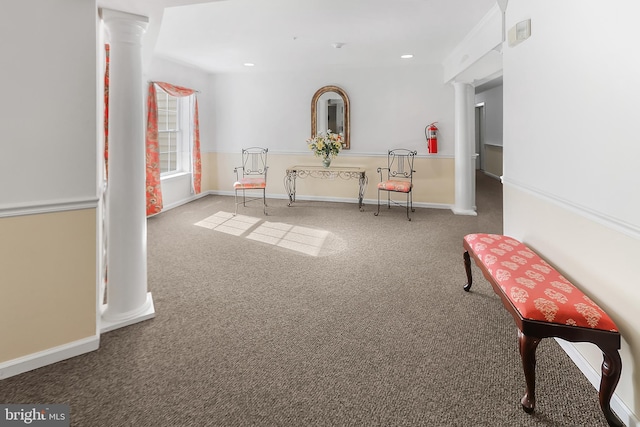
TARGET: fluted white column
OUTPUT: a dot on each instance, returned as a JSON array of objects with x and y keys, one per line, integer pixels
[
  {"x": 128, "y": 301},
  {"x": 464, "y": 149}
]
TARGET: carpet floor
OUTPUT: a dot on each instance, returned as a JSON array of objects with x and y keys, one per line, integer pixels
[{"x": 315, "y": 315}]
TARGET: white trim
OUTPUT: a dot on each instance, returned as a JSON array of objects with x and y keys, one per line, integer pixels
[
  {"x": 374, "y": 202},
  {"x": 598, "y": 217},
  {"x": 494, "y": 144},
  {"x": 182, "y": 202},
  {"x": 50, "y": 206},
  {"x": 494, "y": 176},
  {"x": 170, "y": 175},
  {"x": 49, "y": 356},
  {"x": 478, "y": 42},
  {"x": 106, "y": 14},
  {"x": 298, "y": 197},
  {"x": 463, "y": 47},
  {"x": 366, "y": 202},
  {"x": 344, "y": 153},
  {"x": 617, "y": 405}
]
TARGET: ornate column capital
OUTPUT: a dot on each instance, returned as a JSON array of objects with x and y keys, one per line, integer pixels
[{"x": 124, "y": 27}]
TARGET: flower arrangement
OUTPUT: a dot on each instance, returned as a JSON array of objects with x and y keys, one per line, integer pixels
[{"x": 325, "y": 144}]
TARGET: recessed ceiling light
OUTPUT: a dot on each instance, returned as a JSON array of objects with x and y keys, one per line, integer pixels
[
  {"x": 249, "y": 64},
  {"x": 407, "y": 56}
]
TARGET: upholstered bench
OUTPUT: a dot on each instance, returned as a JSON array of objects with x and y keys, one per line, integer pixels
[{"x": 544, "y": 304}]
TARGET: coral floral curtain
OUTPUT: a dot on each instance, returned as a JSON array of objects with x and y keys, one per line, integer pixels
[{"x": 154, "y": 191}]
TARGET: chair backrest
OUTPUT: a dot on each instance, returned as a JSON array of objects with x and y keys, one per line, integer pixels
[
  {"x": 400, "y": 163},
  {"x": 254, "y": 161}
]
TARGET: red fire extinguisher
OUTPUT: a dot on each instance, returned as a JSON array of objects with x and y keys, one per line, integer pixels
[{"x": 431, "y": 133}]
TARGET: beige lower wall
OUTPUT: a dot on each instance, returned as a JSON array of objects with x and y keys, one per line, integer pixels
[
  {"x": 47, "y": 281},
  {"x": 597, "y": 258},
  {"x": 493, "y": 160},
  {"x": 434, "y": 180}
]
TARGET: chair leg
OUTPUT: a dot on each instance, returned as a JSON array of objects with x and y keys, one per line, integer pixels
[
  {"x": 408, "y": 217},
  {"x": 235, "y": 212},
  {"x": 410, "y": 203},
  {"x": 378, "y": 212},
  {"x": 264, "y": 200}
]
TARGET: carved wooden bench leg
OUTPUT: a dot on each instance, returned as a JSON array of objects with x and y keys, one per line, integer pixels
[
  {"x": 528, "y": 347},
  {"x": 611, "y": 370},
  {"x": 467, "y": 268}
]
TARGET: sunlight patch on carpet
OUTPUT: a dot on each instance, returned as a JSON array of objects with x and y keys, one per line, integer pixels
[
  {"x": 296, "y": 238},
  {"x": 301, "y": 239},
  {"x": 225, "y": 222}
]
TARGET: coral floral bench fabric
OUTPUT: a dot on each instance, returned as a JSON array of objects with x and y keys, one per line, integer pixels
[{"x": 544, "y": 304}]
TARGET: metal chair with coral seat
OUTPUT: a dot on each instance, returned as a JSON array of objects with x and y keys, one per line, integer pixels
[
  {"x": 398, "y": 178},
  {"x": 251, "y": 176}
]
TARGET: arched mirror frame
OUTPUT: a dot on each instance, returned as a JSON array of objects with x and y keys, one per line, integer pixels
[{"x": 314, "y": 113}]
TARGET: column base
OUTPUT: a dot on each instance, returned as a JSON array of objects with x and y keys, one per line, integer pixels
[
  {"x": 470, "y": 212},
  {"x": 109, "y": 323}
]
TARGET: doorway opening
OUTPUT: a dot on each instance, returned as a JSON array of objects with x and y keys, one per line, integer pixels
[{"x": 480, "y": 125}]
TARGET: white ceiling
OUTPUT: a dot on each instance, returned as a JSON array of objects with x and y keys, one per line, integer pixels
[{"x": 220, "y": 36}]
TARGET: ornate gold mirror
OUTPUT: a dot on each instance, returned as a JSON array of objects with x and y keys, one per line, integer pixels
[{"x": 330, "y": 110}]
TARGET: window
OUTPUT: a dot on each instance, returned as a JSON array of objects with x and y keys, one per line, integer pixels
[{"x": 174, "y": 132}]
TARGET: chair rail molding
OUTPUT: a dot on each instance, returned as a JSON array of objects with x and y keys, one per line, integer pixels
[
  {"x": 48, "y": 206},
  {"x": 598, "y": 217}
]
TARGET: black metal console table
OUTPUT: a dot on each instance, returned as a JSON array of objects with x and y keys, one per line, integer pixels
[{"x": 344, "y": 172}]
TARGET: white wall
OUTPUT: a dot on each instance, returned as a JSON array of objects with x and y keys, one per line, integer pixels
[
  {"x": 577, "y": 111},
  {"x": 48, "y": 151},
  {"x": 390, "y": 108},
  {"x": 48, "y": 182},
  {"x": 571, "y": 153}
]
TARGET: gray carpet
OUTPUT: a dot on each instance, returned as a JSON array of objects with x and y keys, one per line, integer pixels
[{"x": 375, "y": 331}]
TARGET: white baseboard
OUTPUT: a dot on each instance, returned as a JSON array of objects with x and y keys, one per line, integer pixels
[
  {"x": 182, "y": 202},
  {"x": 617, "y": 405},
  {"x": 494, "y": 176},
  {"x": 49, "y": 356},
  {"x": 366, "y": 202}
]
